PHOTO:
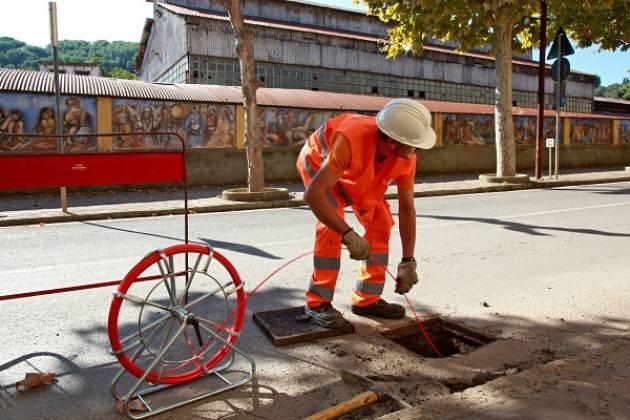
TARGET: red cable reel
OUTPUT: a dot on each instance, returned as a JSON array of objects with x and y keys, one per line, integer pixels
[{"x": 179, "y": 317}]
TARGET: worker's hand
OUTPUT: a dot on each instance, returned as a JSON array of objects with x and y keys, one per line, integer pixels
[
  {"x": 407, "y": 276},
  {"x": 358, "y": 247}
]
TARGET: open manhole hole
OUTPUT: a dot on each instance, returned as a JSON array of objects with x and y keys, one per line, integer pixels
[{"x": 449, "y": 338}]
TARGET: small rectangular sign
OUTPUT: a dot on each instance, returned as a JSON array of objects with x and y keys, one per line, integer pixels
[{"x": 550, "y": 142}]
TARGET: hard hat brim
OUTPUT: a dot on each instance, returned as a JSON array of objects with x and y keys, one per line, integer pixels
[{"x": 426, "y": 141}]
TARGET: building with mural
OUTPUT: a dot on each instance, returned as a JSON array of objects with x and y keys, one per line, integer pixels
[
  {"x": 323, "y": 48},
  {"x": 142, "y": 115}
]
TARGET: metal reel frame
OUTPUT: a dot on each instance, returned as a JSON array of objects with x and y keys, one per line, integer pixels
[{"x": 146, "y": 382}]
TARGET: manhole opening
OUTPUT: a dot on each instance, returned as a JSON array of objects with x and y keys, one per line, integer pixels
[{"x": 449, "y": 338}]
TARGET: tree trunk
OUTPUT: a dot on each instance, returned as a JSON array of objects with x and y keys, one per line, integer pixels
[
  {"x": 504, "y": 131},
  {"x": 245, "y": 53}
]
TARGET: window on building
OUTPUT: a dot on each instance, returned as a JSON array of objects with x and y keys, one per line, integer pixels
[
  {"x": 374, "y": 89},
  {"x": 82, "y": 72}
]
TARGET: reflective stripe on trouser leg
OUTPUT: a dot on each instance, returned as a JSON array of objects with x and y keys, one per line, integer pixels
[
  {"x": 371, "y": 277},
  {"x": 326, "y": 261}
]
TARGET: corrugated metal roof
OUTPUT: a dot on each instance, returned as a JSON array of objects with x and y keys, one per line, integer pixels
[
  {"x": 28, "y": 81},
  {"x": 327, "y": 6},
  {"x": 184, "y": 11},
  {"x": 42, "y": 82},
  {"x": 611, "y": 100}
]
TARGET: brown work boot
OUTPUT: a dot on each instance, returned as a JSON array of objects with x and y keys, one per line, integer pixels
[
  {"x": 380, "y": 309},
  {"x": 325, "y": 316}
]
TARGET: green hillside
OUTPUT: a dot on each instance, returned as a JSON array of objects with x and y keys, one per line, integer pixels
[
  {"x": 112, "y": 56},
  {"x": 616, "y": 90}
]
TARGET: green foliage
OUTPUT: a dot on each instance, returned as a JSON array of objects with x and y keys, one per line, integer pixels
[
  {"x": 17, "y": 54},
  {"x": 616, "y": 90},
  {"x": 112, "y": 56},
  {"x": 469, "y": 24},
  {"x": 602, "y": 22},
  {"x": 119, "y": 73}
]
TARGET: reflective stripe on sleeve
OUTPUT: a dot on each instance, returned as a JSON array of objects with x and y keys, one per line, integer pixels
[
  {"x": 321, "y": 134},
  {"x": 344, "y": 194},
  {"x": 307, "y": 165}
]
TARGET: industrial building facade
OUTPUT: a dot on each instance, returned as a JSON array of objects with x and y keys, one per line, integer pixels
[{"x": 305, "y": 46}]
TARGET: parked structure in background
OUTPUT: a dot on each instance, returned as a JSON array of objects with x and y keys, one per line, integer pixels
[
  {"x": 611, "y": 106},
  {"x": 307, "y": 46},
  {"x": 80, "y": 69}
]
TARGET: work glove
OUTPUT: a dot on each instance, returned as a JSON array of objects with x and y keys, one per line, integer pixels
[
  {"x": 358, "y": 247},
  {"x": 406, "y": 276}
]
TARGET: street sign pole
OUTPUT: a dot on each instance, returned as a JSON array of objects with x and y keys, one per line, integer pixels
[
  {"x": 558, "y": 95},
  {"x": 550, "y": 143},
  {"x": 52, "y": 9},
  {"x": 550, "y": 163},
  {"x": 559, "y": 73}
]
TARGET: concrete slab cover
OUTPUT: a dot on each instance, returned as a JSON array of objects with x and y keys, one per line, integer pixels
[
  {"x": 587, "y": 386},
  {"x": 283, "y": 328}
]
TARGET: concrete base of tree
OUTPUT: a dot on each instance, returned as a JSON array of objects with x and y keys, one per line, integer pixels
[
  {"x": 243, "y": 194},
  {"x": 494, "y": 179}
]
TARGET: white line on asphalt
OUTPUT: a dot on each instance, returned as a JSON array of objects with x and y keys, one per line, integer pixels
[
  {"x": 521, "y": 215},
  {"x": 128, "y": 261}
]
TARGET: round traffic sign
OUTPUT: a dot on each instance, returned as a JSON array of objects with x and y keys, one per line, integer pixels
[{"x": 564, "y": 71}]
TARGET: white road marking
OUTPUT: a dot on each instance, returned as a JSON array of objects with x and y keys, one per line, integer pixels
[{"x": 522, "y": 215}]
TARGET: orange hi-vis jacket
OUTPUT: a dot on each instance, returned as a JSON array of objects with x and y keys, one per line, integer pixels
[{"x": 363, "y": 183}]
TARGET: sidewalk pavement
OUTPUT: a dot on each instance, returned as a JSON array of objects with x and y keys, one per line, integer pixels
[
  {"x": 591, "y": 385},
  {"x": 39, "y": 208}
]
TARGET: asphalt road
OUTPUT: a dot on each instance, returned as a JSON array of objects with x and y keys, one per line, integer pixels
[{"x": 533, "y": 263}]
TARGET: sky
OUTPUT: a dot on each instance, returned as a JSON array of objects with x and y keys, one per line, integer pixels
[{"x": 123, "y": 20}]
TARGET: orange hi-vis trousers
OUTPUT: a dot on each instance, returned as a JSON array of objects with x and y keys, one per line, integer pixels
[{"x": 326, "y": 261}]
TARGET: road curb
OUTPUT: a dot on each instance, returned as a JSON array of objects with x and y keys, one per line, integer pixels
[{"x": 293, "y": 202}]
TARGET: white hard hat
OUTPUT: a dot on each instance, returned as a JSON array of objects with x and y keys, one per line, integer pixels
[{"x": 408, "y": 122}]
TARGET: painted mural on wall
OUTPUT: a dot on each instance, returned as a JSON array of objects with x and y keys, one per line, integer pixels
[
  {"x": 200, "y": 125},
  {"x": 590, "y": 131},
  {"x": 35, "y": 114},
  {"x": 287, "y": 126},
  {"x": 524, "y": 130},
  {"x": 467, "y": 129},
  {"x": 624, "y": 131}
]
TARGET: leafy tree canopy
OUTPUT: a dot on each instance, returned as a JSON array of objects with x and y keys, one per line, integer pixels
[
  {"x": 470, "y": 24},
  {"x": 112, "y": 56}
]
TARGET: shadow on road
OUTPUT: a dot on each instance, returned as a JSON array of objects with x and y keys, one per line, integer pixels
[
  {"x": 524, "y": 227},
  {"x": 292, "y": 382}
]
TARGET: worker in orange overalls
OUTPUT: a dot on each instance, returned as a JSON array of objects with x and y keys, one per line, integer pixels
[{"x": 350, "y": 161}]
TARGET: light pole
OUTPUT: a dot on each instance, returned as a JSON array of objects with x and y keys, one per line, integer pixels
[{"x": 54, "y": 43}]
